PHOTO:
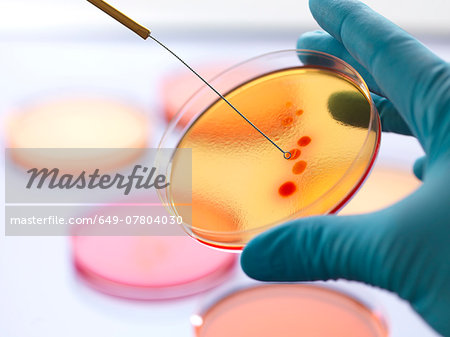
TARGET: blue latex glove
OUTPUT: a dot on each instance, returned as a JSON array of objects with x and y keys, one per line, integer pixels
[{"x": 404, "y": 248}]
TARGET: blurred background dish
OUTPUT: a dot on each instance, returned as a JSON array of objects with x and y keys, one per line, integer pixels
[
  {"x": 149, "y": 267},
  {"x": 385, "y": 186},
  {"x": 145, "y": 267},
  {"x": 78, "y": 122},
  {"x": 289, "y": 310}
]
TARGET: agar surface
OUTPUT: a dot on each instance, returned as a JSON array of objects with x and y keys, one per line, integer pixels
[{"x": 240, "y": 183}]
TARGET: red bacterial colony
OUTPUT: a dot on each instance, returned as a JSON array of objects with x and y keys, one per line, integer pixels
[
  {"x": 287, "y": 121},
  {"x": 287, "y": 189},
  {"x": 299, "y": 167},
  {"x": 295, "y": 153},
  {"x": 304, "y": 141}
]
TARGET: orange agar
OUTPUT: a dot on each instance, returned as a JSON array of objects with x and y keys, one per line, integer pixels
[
  {"x": 299, "y": 167},
  {"x": 304, "y": 141},
  {"x": 221, "y": 142},
  {"x": 287, "y": 189},
  {"x": 295, "y": 153}
]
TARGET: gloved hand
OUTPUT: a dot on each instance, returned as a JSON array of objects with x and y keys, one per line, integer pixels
[{"x": 404, "y": 248}]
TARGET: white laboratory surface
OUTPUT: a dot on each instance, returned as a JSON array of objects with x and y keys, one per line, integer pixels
[{"x": 40, "y": 294}]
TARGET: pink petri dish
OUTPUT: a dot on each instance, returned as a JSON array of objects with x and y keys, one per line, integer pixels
[
  {"x": 147, "y": 267},
  {"x": 289, "y": 310}
]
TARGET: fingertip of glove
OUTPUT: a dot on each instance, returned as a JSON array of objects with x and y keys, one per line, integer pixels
[
  {"x": 320, "y": 41},
  {"x": 252, "y": 260},
  {"x": 309, "y": 37},
  {"x": 419, "y": 167},
  {"x": 267, "y": 256}
]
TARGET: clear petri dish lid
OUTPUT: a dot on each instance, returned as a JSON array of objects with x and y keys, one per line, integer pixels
[
  {"x": 145, "y": 267},
  {"x": 289, "y": 310},
  {"x": 311, "y": 104},
  {"x": 180, "y": 84}
]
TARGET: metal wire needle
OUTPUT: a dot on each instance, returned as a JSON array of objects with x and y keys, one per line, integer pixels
[{"x": 146, "y": 33}]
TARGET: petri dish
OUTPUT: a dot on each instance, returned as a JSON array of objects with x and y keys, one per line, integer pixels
[
  {"x": 399, "y": 182},
  {"x": 81, "y": 121},
  {"x": 178, "y": 86},
  {"x": 146, "y": 267},
  {"x": 311, "y": 104},
  {"x": 289, "y": 310}
]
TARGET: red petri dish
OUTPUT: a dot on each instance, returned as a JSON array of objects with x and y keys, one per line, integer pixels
[
  {"x": 147, "y": 267},
  {"x": 289, "y": 310}
]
